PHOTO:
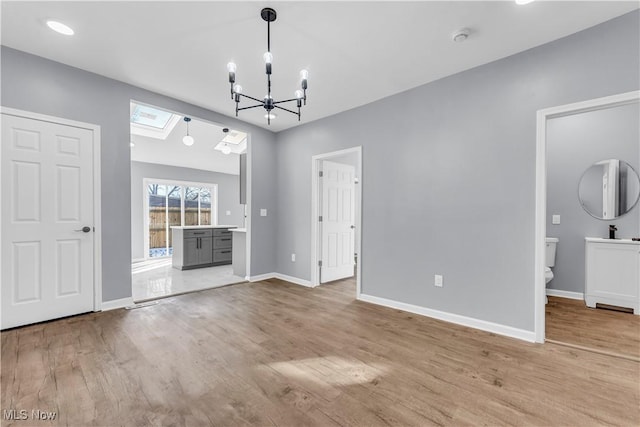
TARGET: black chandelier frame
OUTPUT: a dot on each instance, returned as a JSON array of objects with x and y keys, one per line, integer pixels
[{"x": 268, "y": 103}]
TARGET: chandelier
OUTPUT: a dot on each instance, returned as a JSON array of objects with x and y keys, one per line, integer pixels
[{"x": 268, "y": 103}]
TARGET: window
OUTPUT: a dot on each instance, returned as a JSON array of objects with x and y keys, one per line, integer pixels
[{"x": 173, "y": 204}]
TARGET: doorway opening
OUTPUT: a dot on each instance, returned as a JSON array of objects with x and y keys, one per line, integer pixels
[
  {"x": 186, "y": 198},
  {"x": 336, "y": 217},
  {"x": 548, "y": 222}
]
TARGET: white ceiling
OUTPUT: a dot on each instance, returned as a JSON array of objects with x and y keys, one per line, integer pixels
[
  {"x": 200, "y": 155},
  {"x": 356, "y": 52}
]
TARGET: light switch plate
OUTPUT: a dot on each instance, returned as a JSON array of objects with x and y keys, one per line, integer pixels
[
  {"x": 263, "y": 212},
  {"x": 555, "y": 219},
  {"x": 437, "y": 280},
  {"x": 293, "y": 257},
  {"x": 228, "y": 213}
]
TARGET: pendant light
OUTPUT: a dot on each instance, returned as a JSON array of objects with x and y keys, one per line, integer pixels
[{"x": 188, "y": 139}]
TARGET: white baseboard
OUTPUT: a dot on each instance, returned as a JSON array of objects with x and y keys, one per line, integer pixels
[
  {"x": 116, "y": 303},
  {"x": 565, "y": 294},
  {"x": 483, "y": 325},
  {"x": 295, "y": 280},
  {"x": 260, "y": 277}
]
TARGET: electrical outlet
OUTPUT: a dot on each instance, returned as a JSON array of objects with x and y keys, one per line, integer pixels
[
  {"x": 263, "y": 212},
  {"x": 437, "y": 280},
  {"x": 228, "y": 213},
  {"x": 293, "y": 257},
  {"x": 555, "y": 219}
]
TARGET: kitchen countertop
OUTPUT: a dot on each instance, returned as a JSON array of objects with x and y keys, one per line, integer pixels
[
  {"x": 240, "y": 230},
  {"x": 196, "y": 227}
]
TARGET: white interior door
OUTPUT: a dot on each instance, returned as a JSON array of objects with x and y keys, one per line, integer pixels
[
  {"x": 338, "y": 221},
  {"x": 47, "y": 199}
]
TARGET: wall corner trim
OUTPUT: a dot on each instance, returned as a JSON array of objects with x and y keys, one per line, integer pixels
[
  {"x": 565, "y": 294},
  {"x": 291, "y": 279},
  {"x": 483, "y": 325},
  {"x": 116, "y": 303}
]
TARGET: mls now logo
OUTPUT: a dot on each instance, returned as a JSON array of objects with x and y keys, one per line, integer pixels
[{"x": 23, "y": 414}]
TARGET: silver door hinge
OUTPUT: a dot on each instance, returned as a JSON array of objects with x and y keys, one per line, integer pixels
[
  {"x": 319, "y": 263},
  {"x": 320, "y": 218},
  {"x": 320, "y": 174}
]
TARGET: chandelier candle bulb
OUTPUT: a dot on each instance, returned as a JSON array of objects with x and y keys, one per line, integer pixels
[
  {"x": 299, "y": 100},
  {"x": 231, "y": 67},
  {"x": 268, "y": 58},
  {"x": 237, "y": 90}
]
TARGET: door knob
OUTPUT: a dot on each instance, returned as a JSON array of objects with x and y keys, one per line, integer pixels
[
  {"x": 353, "y": 226},
  {"x": 84, "y": 229}
]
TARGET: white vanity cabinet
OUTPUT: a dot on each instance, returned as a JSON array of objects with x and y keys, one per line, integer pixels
[{"x": 612, "y": 273}]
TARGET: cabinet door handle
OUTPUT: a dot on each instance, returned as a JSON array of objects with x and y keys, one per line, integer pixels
[
  {"x": 224, "y": 240},
  {"x": 225, "y": 252},
  {"x": 201, "y": 232}
]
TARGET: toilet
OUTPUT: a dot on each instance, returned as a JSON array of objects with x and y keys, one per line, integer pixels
[{"x": 550, "y": 255}]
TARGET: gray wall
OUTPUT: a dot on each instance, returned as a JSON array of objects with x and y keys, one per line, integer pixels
[
  {"x": 573, "y": 144},
  {"x": 35, "y": 84},
  {"x": 455, "y": 194},
  {"x": 228, "y": 196}
]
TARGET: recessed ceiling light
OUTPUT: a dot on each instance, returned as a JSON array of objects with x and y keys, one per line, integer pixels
[
  {"x": 61, "y": 28},
  {"x": 521, "y": 2}
]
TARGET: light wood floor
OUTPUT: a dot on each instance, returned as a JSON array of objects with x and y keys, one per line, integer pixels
[
  {"x": 272, "y": 353},
  {"x": 572, "y": 322}
]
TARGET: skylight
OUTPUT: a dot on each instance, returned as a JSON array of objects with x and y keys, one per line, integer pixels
[
  {"x": 152, "y": 122},
  {"x": 149, "y": 116}
]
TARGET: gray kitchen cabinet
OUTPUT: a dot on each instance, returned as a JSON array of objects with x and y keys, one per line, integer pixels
[
  {"x": 222, "y": 244},
  {"x": 201, "y": 247}
]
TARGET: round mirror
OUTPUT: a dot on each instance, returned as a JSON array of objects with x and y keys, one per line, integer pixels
[{"x": 608, "y": 189}]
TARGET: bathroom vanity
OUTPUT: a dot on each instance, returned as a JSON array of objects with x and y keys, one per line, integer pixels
[
  {"x": 612, "y": 275},
  {"x": 198, "y": 246}
]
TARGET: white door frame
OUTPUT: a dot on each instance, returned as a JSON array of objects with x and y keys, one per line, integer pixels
[
  {"x": 541, "y": 188},
  {"x": 247, "y": 209},
  {"x": 97, "y": 195},
  {"x": 315, "y": 213},
  {"x": 247, "y": 206}
]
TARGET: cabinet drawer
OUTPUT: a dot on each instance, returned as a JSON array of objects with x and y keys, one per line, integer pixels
[
  {"x": 197, "y": 233},
  {"x": 222, "y": 242},
  {"x": 221, "y": 232},
  {"x": 221, "y": 255}
]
